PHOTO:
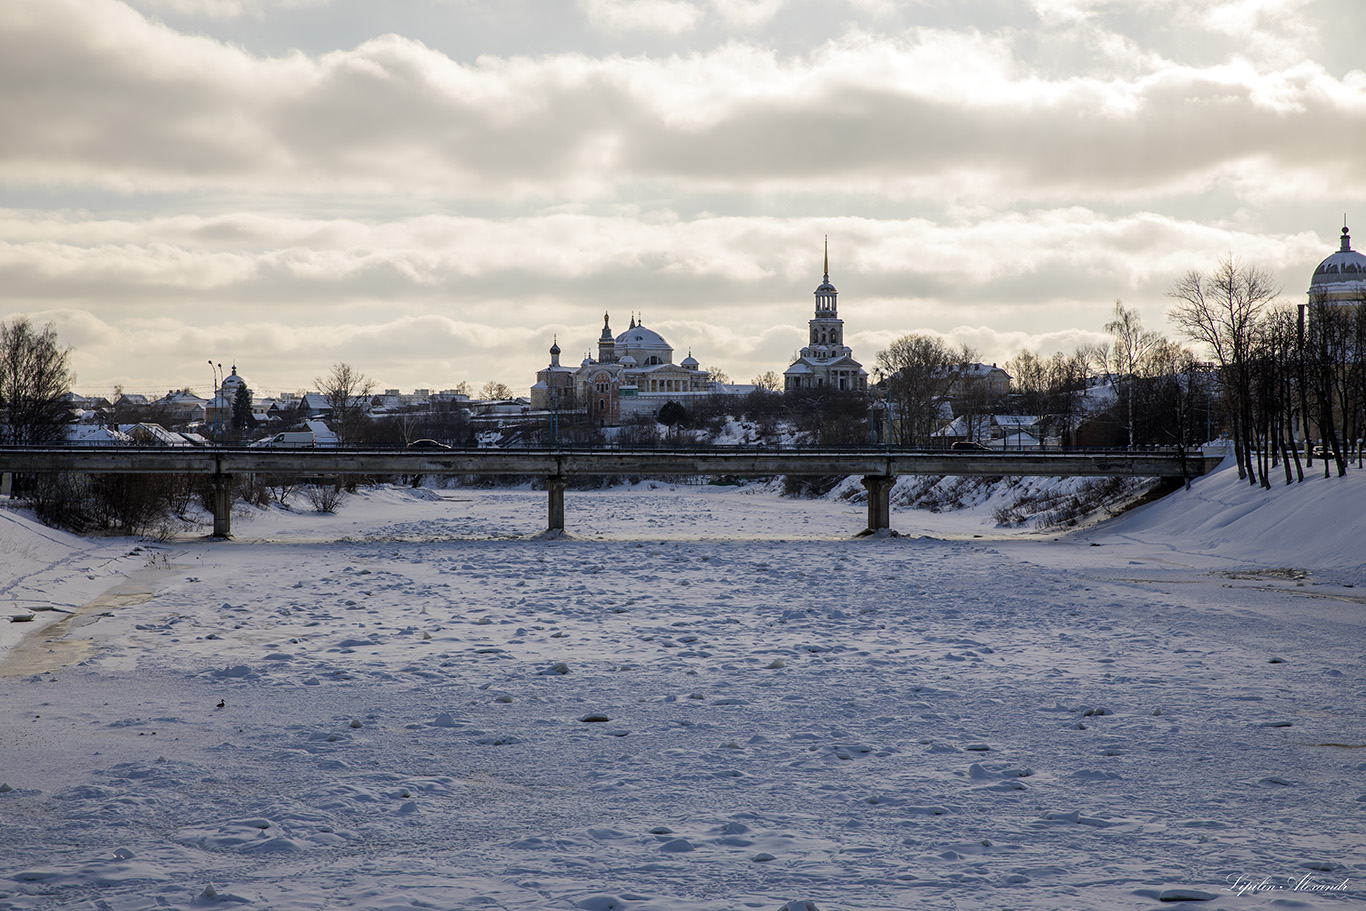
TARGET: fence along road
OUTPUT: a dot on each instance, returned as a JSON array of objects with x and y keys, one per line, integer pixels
[{"x": 879, "y": 467}]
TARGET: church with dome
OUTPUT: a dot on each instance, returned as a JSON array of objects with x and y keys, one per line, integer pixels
[
  {"x": 633, "y": 375},
  {"x": 1341, "y": 278},
  {"x": 1338, "y": 282},
  {"x": 826, "y": 362}
]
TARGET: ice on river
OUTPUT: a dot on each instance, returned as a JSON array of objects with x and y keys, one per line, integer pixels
[{"x": 699, "y": 699}]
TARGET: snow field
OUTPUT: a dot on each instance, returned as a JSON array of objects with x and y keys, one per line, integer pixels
[{"x": 704, "y": 699}]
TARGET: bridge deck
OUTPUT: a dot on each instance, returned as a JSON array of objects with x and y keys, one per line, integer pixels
[
  {"x": 877, "y": 466},
  {"x": 568, "y": 462}
]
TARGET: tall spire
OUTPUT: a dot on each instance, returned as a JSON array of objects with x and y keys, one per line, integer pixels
[
  {"x": 1346, "y": 238},
  {"x": 825, "y": 293},
  {"x": 607, "y": 348}
]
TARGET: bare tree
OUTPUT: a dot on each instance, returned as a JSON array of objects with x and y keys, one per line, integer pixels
[
  {"x": 1127, "y": 356},
  {"x": 717, "y": 375},
  {"x": 1164, "y": 398},
  {"x": 768, "y": 381},
  {"x": 1355, "y": 418},
  {"x": 494, "y": 391},
  {"x": 917, "y": 371},
  {"x": 1278, "y": 362},
  {"x": 347, "y": 392},
  {"x": 1065, "y": 377},
  {"x": 325, "y": 497},
  {"x": 1328, "y": 341},
  {"x": 1029, "y": 380},
  {"x": 1221, "y": 310},
  {"x": 33, "y": 378}
]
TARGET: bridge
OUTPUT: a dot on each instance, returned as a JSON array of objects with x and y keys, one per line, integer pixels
[{"x": 879, "y": 468}]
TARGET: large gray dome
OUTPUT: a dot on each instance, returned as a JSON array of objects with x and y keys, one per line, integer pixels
[
  {"x": 1342, "y": 275},
  {"x": 640, "y": 337},
  {"x": 647, "y": 346}
]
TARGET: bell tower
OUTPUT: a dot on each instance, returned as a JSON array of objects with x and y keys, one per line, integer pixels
[
  {"x": 826, "y": 360},
  {"x": 826, "y": 327},
  {"x": 607, "y": 345}
]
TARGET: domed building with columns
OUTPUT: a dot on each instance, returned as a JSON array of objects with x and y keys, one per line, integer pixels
[
  {"x": 633, "y": 375},
  {"x": 1341, "y": 278},
  {"x": 1338, "y": 282}
]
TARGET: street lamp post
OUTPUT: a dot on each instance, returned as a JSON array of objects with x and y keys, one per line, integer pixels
[{"x": 217, "y": 392}]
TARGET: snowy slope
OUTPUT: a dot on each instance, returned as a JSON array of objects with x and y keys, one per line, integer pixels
[
  {"x": 46, "y": 574},
  {"x": 704, "y": 699},
  {"x": 1320, "y": 522}
]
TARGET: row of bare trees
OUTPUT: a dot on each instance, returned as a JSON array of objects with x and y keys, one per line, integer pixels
[
  {"x": 1291, "y": 377},
  {"x": 1054, "y": 386},
  {"x": 1161, "y": 392}
]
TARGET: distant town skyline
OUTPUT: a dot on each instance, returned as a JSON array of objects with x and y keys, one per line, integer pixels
[{"x": 434, "y": 191}]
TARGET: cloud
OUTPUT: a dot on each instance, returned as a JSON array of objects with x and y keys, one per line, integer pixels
[
  {"x": 1279, "y": 31},
  {"x": 670, "y": 17},
  {"x": 435, "y": 216},
  {"x": 746, "y": 13},
  {"x": 955, "y": 116},
  {"x": 222, "y": 9}
]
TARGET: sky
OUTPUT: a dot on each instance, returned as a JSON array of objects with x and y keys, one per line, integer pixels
[{"x": 433, "y": 191}]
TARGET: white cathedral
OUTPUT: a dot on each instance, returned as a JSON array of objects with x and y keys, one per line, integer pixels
[
  {"x": 1341, "y": 278},
  {"x": 826, "y": 362}
]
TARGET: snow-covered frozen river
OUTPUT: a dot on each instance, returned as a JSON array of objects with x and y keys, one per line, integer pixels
[{"x": 705, "y": 699}]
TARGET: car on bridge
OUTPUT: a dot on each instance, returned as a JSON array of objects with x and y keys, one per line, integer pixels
[{"x": 290, "y": 439}]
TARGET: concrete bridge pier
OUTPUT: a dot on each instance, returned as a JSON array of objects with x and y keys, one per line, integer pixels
[
  {"x": 222, "y": 505},
  {"x": 879, "y": 489},
  {"x": 554, "y": 486}
]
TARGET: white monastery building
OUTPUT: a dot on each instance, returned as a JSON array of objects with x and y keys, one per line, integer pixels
[{"x": 634, "y": 374}]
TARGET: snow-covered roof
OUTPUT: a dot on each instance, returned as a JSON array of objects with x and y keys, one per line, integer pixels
[
  {"x": 639, "y": 337},
  {"x": 92, "y": 435},
  {"x": 958, "y": 427},
  {"x": 975, "y": 371},
  {"x": 181, "y": 397},
  {"x": 322, "y": 434},
  {"x": 153, "y": 433}
]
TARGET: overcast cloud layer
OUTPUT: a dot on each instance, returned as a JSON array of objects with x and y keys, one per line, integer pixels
[{"x": 434, "y": 191}]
